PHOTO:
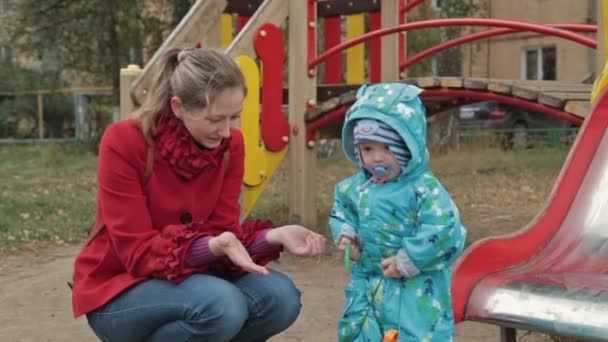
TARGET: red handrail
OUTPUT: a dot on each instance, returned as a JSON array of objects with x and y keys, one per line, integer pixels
[
  {"x": 551, "y": 31},
  {"x": 486, "y": 34}
]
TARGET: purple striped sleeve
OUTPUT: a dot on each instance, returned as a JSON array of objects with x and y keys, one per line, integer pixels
[
  {"x": 199, "y": 253},
  {"x": 261, "y": 246}
]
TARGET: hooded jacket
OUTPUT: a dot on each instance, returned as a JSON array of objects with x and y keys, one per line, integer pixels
[{"x": 411, "y": 217}]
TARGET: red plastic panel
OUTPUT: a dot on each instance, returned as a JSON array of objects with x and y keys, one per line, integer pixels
[
  {"x": 269, "y": 44},
  {"x": 333, "y": 37},
  {"x": 375, "y": 48},
  {"x": 242, "y": 21}
]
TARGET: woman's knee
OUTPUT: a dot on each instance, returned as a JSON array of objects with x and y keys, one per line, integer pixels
[
  {"x": 285, "y": 303},
  {"x": 222, "y": 315}
]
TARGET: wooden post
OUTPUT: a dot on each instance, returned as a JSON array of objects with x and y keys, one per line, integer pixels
[
  {"x": 600, "y": 51},
  {"x": 389, "y": 11},
  {"x": 127, "y": 76},
  {"x": 302, "y": 91},
  {"x": 40, "y": 116},
  {"x": 214, "y": 35}
]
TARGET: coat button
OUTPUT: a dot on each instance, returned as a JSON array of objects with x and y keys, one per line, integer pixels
[{"x": 186, "y": 218}]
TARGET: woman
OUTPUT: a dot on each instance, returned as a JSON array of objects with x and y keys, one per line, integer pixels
[{"x": 172, "y": 262}]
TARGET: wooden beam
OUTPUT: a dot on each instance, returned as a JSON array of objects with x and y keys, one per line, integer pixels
[
  {"x": 389, "y": 13},
  {"x": 330, "y": 8},
  {"x": 86, "y": 90},
  {"x": 127, "y": 76},
  {"x": 269, "y": 12},
  {"x": 326, "y": 8},
  {"x": 243, "y": 7},
  {"x": 452, "y": 82},
  {"x": 203, "y": 17},
  {"x": 40, "y": 101},
  {"x": 302, "y": 158},
  {"x": 578, "y": 108},
  {"x": 600, "y": 51}
]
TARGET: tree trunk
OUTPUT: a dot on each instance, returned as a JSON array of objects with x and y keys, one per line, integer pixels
[
  {"x": 443, "y": 133},
  {"x": 115, "y": 48}
]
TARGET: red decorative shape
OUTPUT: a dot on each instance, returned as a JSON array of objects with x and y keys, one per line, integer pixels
[
  {"x": 333, "y": 66},
  {"x": 375, "y": 49},
  {"x": 269, "y": 44},
  {"x": 539, "y": 249}
]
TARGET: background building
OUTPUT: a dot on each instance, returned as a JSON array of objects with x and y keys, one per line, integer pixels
[{"x": 530, "y": 55}]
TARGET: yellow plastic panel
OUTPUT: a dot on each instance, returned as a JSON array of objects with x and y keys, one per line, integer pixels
[
  {"x": 255, "y": 160},
  {"x": 602, "y": 79},
  {"x": 251, "y": 194},
  {"x": 260, "y": 164},
  {"x": 227, "y": 28},
  {"x": 355, "y": 56}
]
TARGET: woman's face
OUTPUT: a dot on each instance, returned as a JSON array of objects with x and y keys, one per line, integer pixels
[{"x": 209, "y": 126}]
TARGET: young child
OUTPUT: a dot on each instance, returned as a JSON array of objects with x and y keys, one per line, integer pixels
[{"x": 402, "y": 225}]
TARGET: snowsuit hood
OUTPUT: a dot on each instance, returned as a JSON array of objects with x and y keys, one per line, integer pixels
[{"x": 397, "y": 105}]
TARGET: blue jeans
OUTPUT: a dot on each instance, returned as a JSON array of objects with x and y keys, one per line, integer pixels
[{"x": 201, "y": 308}]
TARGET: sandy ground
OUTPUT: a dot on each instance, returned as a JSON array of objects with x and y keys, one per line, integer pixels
[{"x": 35, "y": 301}]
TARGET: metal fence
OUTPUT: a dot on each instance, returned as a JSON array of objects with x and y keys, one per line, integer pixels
[{"x": 519, "y": 138}]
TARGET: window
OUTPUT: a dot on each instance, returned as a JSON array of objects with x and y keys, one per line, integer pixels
[
  {"x": 539, "y": 63},
  {"x": 49, "y": 59},
  {"x": 436, "y": 4},
  {"x": 6, "y": 53},
  {"x": 3, "y": 6}
]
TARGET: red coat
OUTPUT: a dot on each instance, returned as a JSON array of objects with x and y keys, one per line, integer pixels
[{"x": 144, "y": 235}]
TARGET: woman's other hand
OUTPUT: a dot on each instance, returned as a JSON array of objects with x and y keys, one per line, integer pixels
[
  {"x": 355, "y": 251},
  {"x": 227, "y": 244},
  {"x": 297, "y": 240}
]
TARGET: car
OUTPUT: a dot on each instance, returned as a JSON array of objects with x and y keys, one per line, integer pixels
[{"x": 511, "y": 122}]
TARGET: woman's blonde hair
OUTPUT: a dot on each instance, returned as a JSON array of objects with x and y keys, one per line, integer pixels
[{"x": 195, "y": 75}]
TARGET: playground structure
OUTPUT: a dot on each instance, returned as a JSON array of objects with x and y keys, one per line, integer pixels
[{"x": 491, "y": 281}]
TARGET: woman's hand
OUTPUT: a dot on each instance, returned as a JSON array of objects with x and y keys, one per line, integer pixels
[
  {"x": 297, "y": 240},
  {"x": 227, "y": 244},
  {"x": 389, "y": 266},
  {"x": 355, "y": 252}
]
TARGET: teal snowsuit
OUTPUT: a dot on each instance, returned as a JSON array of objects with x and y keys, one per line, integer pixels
[{"x": 412, "y": 217}]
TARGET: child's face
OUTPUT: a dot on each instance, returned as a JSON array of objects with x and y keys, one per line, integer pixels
[{"x": 376, "y": 153}]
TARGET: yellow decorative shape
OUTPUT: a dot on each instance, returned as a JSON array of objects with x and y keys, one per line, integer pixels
[
  {"x": 251, "y": 194},
  {"x": 602, "y": 79},
  {"x": 227, "y": 28},
  {"x": 355, "y": 56},
  {"x": 260, "y": 164},
  {"x": 255, "y": 160}
]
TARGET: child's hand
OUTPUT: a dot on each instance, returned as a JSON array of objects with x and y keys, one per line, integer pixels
[
  {"x": 354, "y": 247},
  {"x": 389, "y": 266}
]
